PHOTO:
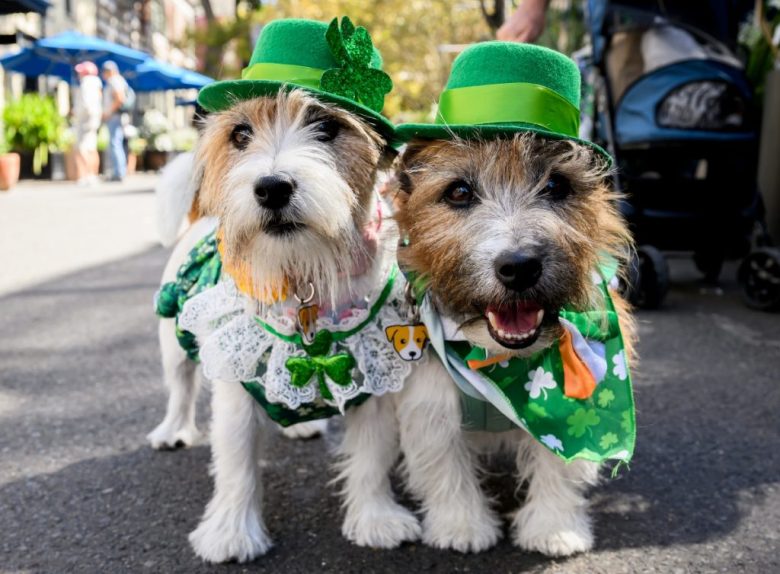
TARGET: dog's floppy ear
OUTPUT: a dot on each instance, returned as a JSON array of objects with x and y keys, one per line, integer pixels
[{"x": 392, "y": 331}]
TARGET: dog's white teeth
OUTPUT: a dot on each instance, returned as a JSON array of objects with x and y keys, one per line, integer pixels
[
  {"x": 502, "y": 333},
  {"x": 539, "y": 317},
  {"x": 492, "y": 319}
]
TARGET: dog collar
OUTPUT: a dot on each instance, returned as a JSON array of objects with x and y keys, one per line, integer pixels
[{"x": 575, "y": 397}]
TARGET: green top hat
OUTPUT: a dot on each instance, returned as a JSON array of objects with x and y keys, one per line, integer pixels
[
  {"x": 337, "y": 64},
  {"x": 499, "y": 88}
]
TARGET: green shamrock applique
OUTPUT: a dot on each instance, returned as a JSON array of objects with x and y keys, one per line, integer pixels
[
  {"x": 354, "y": 78},
  {"x": 581, "y": 421}
]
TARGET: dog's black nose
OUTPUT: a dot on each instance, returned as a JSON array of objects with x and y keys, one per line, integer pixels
[
  {"x": 517, "y": 271},
  {"x": 273, "y": 191}
]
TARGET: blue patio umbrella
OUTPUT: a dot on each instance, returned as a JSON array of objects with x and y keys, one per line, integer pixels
[
  {"x": 154, "y": 75},
  {"x": 27, "y": 62},
  {"x": 57, "y": 55}
]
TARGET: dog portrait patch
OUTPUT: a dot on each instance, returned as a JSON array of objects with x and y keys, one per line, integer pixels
[
  {"x": 307, "y": 322},
  {"x": 409, "y": 341}
]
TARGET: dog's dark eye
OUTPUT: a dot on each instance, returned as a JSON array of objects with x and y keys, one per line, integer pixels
[
  {"x": 241, "y": 135},
  {"x": 459, "y": 194},
  {"x": 557, "y": 187},
  {"x": 327, "y": 130}
]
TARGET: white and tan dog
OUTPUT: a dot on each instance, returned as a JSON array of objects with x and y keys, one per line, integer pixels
[{"x": 291, "y": 182}]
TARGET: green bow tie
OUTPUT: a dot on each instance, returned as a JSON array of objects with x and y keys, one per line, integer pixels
[{"x": 337, "y": 367}]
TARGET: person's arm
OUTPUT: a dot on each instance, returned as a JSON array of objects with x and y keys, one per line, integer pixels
[
  {"x": 119, "y": 99},
  {"x": 526, "y": 24}
]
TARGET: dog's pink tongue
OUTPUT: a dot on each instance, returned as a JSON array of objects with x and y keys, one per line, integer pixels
[{"x": 519, "y": 318}]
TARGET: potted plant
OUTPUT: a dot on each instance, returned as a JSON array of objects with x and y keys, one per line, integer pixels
[
  {"x": 154, "y": 129},
  {"x": 136, "y": 147},
  {"x": 33, "y": 127},
  {"x": 9, "y": 165}
]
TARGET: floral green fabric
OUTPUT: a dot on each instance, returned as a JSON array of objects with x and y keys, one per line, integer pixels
[
  {"x": 532, "y": 389},
  {"x": 201, "y": 270}
]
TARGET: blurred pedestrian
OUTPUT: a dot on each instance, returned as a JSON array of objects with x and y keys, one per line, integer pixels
[
  {"x": 88, "y": 112},
  {"x": 115, "y": 93}
]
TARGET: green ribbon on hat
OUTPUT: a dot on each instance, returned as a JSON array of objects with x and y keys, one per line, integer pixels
[
  {"x": 509, "y": 103},
  {"x": 300, "y": 75}
]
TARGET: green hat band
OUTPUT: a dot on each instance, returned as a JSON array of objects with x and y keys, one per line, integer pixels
[
  {"x": 288, "y": 73},
  {"x": 509, "y": 103}
]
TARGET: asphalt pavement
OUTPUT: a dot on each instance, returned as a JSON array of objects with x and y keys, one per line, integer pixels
[{"x": 81, "y": 491}]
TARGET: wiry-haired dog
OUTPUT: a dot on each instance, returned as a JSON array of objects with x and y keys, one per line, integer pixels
[
  {"x": 504, "y": 232},
  {"x": 291, "y": 181}
]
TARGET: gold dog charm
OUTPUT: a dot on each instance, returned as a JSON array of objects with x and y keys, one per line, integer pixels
[
  {"x": 307, "y": 322},
  {"x": 409, "y": 341}
]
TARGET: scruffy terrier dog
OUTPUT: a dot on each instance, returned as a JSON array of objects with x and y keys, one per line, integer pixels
[
  {"x": 291, "y": 181},
  {"x": 505, "y": 232}
]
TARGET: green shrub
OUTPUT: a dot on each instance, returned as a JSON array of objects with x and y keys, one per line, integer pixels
[{"x": 32, "y": 123}]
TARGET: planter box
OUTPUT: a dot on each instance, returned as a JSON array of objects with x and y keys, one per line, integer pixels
[
  {"x": 155, "y": 160},
  {"x": 9, "y": 170},
  {"x": 53, "y": 170}
]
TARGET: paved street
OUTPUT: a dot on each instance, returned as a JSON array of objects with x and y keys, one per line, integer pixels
[{"x": 80, "y": 491}]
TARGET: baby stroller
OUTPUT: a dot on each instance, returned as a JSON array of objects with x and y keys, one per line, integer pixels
[{"x": 680, "y": 123}]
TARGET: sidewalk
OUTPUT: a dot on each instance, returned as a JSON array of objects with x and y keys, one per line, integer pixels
[{"x": 48, "y": 229}]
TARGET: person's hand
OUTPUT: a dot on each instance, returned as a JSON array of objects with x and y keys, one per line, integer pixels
[{"x": 526, "y": 24}]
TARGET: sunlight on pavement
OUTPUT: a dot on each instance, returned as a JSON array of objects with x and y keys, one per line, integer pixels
[{"x": 48, "y": 229}]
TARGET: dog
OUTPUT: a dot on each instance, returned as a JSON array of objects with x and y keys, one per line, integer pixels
[
  {"x": 505, "y": 232},
  {"x": 324, "y": 162}
]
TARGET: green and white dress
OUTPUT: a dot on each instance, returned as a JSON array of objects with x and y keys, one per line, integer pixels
[{"x": 349, "y": 359}]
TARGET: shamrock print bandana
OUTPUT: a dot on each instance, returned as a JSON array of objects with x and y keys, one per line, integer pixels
[{"x": 574, "y": 398}]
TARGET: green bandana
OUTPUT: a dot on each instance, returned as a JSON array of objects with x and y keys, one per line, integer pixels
[{"x": 535, "y": 393}]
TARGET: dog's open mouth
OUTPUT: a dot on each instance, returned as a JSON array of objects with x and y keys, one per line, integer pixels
[
  {"x": 515, "y": 326},
  {"x": 280, "y": 227}
]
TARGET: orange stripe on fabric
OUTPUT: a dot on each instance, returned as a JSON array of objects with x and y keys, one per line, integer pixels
[
  {"x": 578, "y": 381},
  {"x": 474, "y": 364}
]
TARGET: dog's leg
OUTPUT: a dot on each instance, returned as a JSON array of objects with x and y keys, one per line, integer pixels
[
  {"x": 369, "y": 451},
  {"x": 232, "y": 527},
  {"x": 178, "y": 428},
  {"x": 309, "y": 429},
  {"x": 554, "y": 519},
  {"x": 442, "y": 471}
]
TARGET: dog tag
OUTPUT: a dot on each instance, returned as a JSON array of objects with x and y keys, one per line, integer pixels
[
  {"x": 307, "y": 322},
  {"x": 409, "y": 341}
]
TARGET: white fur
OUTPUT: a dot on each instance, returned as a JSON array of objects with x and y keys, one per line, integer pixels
[
  {"x": 232, "y": 527},
  {"x": 175, "y": 192},
  {"x": 368, "y": 452},
  {"x": 441, "y": 469},
  {"x": 180, "y": 375}
]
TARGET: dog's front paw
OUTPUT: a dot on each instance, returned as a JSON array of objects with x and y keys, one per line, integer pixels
[
  {"x": 306, "y": 430},
  {"x": 166, "y": 436},
  {"x": 551, "y": 533},
  {"x": 463, "y": 531},
  {"x": 221, "y": 538},
  {"x": 381, "y": 525}
]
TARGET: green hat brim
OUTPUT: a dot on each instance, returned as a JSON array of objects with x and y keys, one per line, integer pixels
[
  {"x": 406, "y": 132},
  {"x": 222, "y": 95}
]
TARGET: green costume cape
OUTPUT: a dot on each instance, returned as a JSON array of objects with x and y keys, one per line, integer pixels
[{"x": 530, "y": 392}]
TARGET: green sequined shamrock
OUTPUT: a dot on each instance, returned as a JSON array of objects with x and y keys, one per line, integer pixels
[{"x": 354, "y": 78}]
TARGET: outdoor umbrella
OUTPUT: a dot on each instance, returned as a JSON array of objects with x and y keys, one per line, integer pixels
[
  {"x": 27, "y": 62},
  {"x": 23, "y": 6},
  {"x": 56, "y": 56},
  {"x": 154, "y": 75}
]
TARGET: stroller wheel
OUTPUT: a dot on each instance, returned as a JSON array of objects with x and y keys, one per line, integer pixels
[
  {"x": 759, "y": 277},
  {"x": 649, "y": 273}
]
